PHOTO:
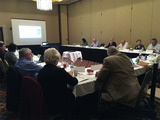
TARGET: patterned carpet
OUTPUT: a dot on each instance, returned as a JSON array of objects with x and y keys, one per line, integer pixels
[
  {"x": 158, "y": 108},
  {"x": 3, "y": 104},
  {"x": 80, "y": 62},
  {"x": 85, "y": 63}
]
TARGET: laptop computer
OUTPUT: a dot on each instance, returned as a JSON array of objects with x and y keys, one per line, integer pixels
[
  {"x": 133, "y": 64},
  {"x": 44, "y": 43}
]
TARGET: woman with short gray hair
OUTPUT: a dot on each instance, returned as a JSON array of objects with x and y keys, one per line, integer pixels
[
  {"x": 51, "y": 56},
  {"x": 54, "y": 80}
]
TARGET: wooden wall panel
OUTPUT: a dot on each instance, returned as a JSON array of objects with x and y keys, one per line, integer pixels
[
  {"x": 86, "y": 20},
  {"x": 96, "y": 20},
  {"x": 75, "y": 23},
  {"x": 141, "y": 21},
  {"x": 156, "y": 20},
  {"x": 64, "y": 25},
  {"x": 108, "y": 20},
  {"x": 117, "y": 19},
  {"x": 122, "y": 20}
]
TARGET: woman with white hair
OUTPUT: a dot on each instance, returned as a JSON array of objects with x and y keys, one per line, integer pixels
[{"x": 54, "y": 81}]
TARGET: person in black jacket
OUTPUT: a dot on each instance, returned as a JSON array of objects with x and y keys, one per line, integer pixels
[
  {"x": 54, "y": 80},
  {"x": 10, "y": 55},
  {"x": 111, "y": 43},
  {"x": 139, "y": 46}
]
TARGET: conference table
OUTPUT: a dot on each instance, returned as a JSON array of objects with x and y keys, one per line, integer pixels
[
  {"x": 97, "y": 54},
  {"x": 86, "y": 82},
  {"x": 94, "y": 54}
]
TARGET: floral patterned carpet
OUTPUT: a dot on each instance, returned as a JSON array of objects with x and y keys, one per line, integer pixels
[{"x": 3, "y": 109}]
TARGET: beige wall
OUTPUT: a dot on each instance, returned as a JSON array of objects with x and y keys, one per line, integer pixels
[
  {"x": 117, "y": 19},
  {"x": 27, "y": 10},
  {"x": 64, "y": 24}
]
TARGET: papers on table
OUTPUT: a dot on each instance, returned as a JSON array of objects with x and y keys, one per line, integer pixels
[
  {"x": 84, "y": 76},
  {"x": 35, "y": 58},
  {"x": 80, "y": 69},
  {"x": 41, "y": 64},
  {"x": 149, "y": 51},
  {"x": 96, "y": 67}
]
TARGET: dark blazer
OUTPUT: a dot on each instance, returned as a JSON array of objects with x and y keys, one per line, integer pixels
[
  {"x": 140, "y": 47},
  {"x": 113, "y": 44},
  {"x": 54, "y": 81}
]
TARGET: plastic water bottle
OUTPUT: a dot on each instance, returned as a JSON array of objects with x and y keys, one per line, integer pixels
[
  {"x": 137, "y": 60},
  {"x": 72, "y": 67},
  {"x": 140, "y": 54},
  {"x": 145, "y": 58}
]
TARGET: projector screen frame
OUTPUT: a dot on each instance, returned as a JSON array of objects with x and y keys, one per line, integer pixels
[{"x": 28, "y": 22}]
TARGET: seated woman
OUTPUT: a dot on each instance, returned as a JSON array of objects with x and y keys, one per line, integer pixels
[
  {"x": 84, "y": 42},
  {"x": 54, "y": 80},
  {"x": 139, "y": 46}
]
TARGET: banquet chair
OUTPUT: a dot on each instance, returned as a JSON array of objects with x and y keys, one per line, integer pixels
[
  {"x": 102, "y": 45},
  {"x": 3, "y": 74},
  {"x": 6, "y": 65},
  {"x": 32, "y": 106},
  {"x": 143, "y": 107},
  {"x": 14, "y": 79},
  {"x": 2, "y": 66},
  {"x": 144, "y": 87}
]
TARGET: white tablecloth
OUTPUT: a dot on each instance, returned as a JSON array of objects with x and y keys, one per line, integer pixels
[
  {"x": 73, "y": 56},
  {"x": 124, "y": 51},
  {"x": 86, "y": 82}
]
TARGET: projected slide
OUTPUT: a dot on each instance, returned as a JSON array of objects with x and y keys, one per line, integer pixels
[{"x": 30, "y": 32}]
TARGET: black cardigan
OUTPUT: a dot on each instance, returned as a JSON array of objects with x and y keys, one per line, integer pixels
[{"x": 54, "y": 81}]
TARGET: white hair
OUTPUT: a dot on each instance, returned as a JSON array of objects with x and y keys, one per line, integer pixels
[
  {"x": 94, "y": 39},
  {"x": 23, "y": 52},
  {"x": 51, "y": 56},
  {"x": 112, "y": 50}
]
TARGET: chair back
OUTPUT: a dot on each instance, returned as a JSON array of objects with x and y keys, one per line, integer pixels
[
  {"x": 144, "y": 87},
  {"x": 6, "y": 65},
  {"x": 32, "y": 106},
  {"x": 2, "y": 74},
  {"x": 14, "y": 80},
  {"x": 102, "y": 45},
  {"x": 2, "y": 66}
]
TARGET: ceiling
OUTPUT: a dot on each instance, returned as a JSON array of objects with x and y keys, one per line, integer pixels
[{"x": 63, "y": 2}]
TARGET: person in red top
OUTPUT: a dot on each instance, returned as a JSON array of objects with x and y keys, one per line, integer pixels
[{"x": 2, "y": 50}]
